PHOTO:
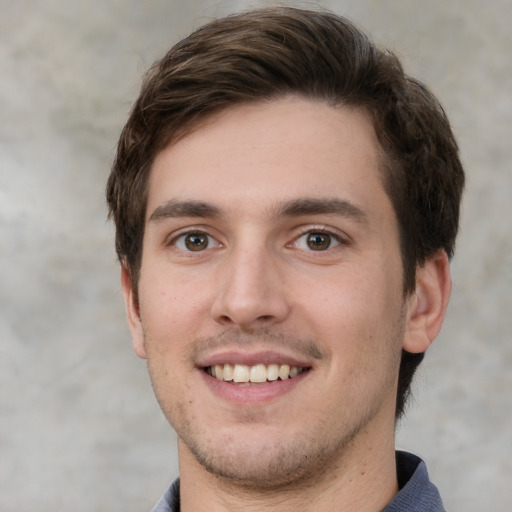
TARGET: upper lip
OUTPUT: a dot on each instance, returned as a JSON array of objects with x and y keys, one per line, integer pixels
[{"x": 248, "y": 358}]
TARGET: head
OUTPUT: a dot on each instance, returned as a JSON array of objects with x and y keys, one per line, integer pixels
[{"x": 272, "y": 53}]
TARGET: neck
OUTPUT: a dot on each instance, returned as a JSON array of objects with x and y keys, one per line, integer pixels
[{"x": 362, "y": 479}]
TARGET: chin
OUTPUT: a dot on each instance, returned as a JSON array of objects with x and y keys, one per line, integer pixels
[
  {"x": 265, "y": 469},
  {"x": 264, "y": 463}
]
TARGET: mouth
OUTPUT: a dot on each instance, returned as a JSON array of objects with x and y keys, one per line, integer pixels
[{"x": 255, "y": 374}]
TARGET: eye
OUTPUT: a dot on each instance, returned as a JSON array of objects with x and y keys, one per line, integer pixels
[
  {"x": 194, "y": 242},
  {"x": 317, "y": 241}
]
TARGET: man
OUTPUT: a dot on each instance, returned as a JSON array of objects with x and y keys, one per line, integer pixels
[{"x": 286, "y": 202}]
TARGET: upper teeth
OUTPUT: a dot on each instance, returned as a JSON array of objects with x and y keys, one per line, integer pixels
[{"x": 257, "y": 373}]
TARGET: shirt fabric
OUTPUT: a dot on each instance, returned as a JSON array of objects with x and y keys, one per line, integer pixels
[{"x": 417, "y": 493}]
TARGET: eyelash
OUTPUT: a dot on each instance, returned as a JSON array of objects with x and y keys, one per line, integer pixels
[
  {"x": 336, "y": 240},
  {"x": 180, "y": 239}
]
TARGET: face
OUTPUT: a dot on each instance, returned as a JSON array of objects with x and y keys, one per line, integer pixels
[{"x": 270, "y": 308}]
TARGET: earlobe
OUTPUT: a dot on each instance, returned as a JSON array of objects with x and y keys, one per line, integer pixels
[
  {"x": 427, "y": 305},
  {"x": 133, "y": 313}
]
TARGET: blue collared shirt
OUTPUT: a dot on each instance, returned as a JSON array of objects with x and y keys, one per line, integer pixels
[{"x": 417, "y": 493}]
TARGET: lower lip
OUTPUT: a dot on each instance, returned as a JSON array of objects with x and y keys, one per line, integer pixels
[{"x": 252, "y": 393}]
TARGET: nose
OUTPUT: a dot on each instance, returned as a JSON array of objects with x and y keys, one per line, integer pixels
[{"x": 251, "y": 290}]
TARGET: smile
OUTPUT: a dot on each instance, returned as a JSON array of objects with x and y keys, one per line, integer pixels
[{"x": 256, "y": 374}]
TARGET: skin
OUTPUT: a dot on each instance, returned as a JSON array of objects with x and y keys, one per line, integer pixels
[{"x": 254, "y": 182}]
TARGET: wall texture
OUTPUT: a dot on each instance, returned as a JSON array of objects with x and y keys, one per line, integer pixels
[{"x": 80, "y": 429}]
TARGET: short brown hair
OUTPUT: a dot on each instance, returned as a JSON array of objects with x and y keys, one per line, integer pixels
[{"x": 269, "y": 53}]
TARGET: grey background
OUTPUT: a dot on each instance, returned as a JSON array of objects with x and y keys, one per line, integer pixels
[{"x": 80, "y": 429}]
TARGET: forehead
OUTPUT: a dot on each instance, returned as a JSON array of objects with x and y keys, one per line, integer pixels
[{"x": 274, "y": 151}]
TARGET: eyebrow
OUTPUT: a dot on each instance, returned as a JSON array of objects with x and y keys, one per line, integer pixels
[
  {"x": 321, "y": 206},
  {"x": 174, "y": 208},
  {"x": 293, "y": 208}
]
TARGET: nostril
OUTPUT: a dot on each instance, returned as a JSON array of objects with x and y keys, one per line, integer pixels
[{"x": 224, "y": 319}]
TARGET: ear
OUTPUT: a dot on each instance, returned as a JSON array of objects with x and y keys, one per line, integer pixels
[
  {"x": 133, "y": 313},
  {"x": 427, "y": 304}
]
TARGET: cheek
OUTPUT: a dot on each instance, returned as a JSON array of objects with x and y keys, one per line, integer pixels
[
  {"x": 346, "y": 298},
  {"x": 358, "y": 312},
  {"x": 170, "y": 302}
]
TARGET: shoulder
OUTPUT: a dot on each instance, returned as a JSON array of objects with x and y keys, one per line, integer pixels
[
  {"x": 170, "y": 501},
  {"x": 417, "y": 493}
]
